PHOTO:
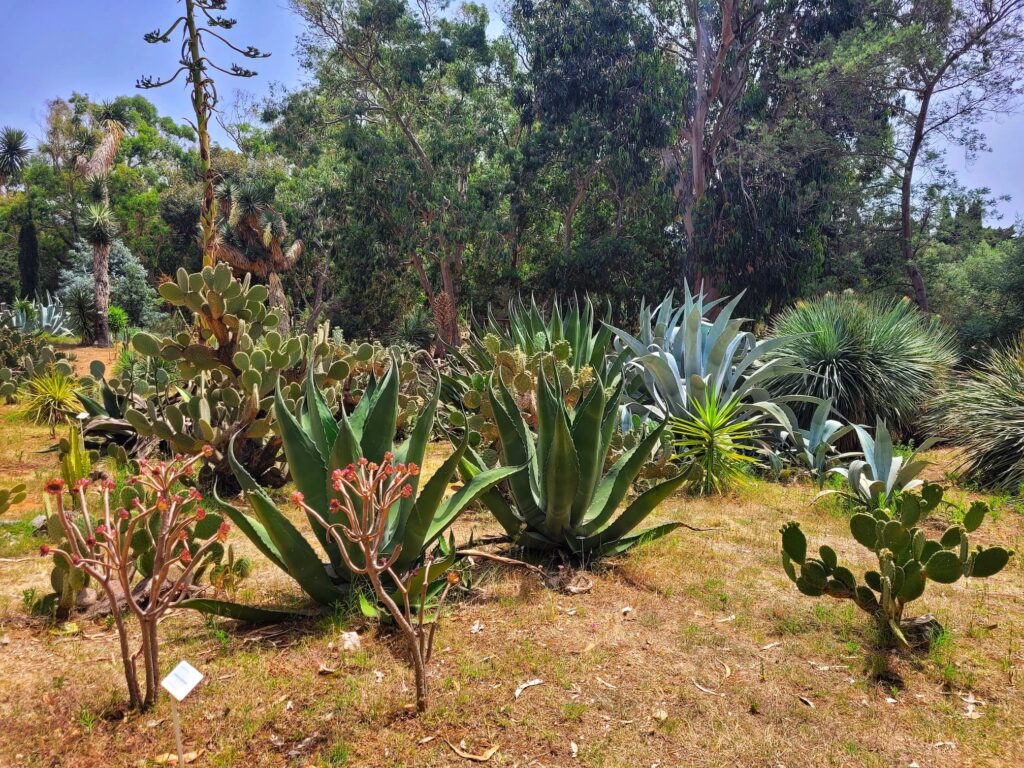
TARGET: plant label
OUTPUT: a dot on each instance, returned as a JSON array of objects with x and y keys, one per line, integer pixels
[{"x": 182, "y": 680}]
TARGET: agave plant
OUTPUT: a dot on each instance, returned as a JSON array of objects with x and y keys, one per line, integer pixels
[
  {"x": 317, "y": 448},
  {"x": 680, "y": 355},
  {"x": 528, "y": 329},
  {"x": 882, "y": 474},
  {"x": 565, "y": 499},
  {"x": 38, "y": 316},
  {"x": 814, "y": 448}
]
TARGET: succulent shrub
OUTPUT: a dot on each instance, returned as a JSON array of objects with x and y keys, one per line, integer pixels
[
  {"x": 566, "y": 499},
  {"x": 82, "y": 317},
  {"x": 178, "y": 540},
  {"x": 117, "y": 320},
  {"x": 874, "y": 480},
  {"x": 320, "y": 449},
  {"x": 982, "y": 413},
  {"x": 22, "y": 357},
  {"x": 873, "y": 359},
  {"x": 907, "y": 558},
  {"x": 718, "y": 442},
  {"x": 679, "y": 354}
]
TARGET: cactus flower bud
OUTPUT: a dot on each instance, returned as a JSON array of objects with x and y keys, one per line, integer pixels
[
  {"x": 44, "y": 550},
  {"x": 54, "y": 487}
]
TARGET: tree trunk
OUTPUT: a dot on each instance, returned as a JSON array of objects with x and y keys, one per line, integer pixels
[
  {"x": 101, "y": 281},
  {"x": 279, "y": 302}
]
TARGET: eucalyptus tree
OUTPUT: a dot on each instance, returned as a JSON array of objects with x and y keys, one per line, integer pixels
[
  {"x": 199, "y": 24},
  {"x": 413, "y": 103}
]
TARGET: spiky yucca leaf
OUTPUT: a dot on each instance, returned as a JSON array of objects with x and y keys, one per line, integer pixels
[
  {"x": 871, "y": 358},
  {"x": 99, "y": 225},
  {"x": 982, "y": 411}
]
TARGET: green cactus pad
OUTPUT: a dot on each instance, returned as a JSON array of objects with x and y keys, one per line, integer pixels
[{"x": 944, "y": 567}]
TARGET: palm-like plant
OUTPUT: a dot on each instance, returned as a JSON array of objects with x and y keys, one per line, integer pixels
[
  {"x": 680, "y": 355},
  {"x": 52, "y": 398},
  {"x": 565, "y": 500},
  {"x": 317, "y": 448},
  {"x": 718, "y": 440},
  {"x": 100, "y": 228},
  {"x": 982, "y": 412},
  {"x": 14, "y": 154},
  {"x": 873, "y": 359}
]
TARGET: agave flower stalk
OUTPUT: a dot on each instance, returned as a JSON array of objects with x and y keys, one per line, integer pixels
[
  {"x": 366, "y": 493},
  {"x": 104, "y": 546}
]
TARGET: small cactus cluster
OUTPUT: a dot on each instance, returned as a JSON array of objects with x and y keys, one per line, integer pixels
[
  {"x": 224, "y": 370},
  {"x": 907, "y": 558},
  {"x": 23, "y": 357},
  {"x": 11, "y": 496},
  {"x": 467, "y": 394}
]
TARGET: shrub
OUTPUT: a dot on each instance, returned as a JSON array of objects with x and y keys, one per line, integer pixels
[
  {"x": 129, "y": 283},
  {"x": 873, "y": 359},
  {"x": 117, "y": 320},
  {"x": 416, "y": 329},
  {"x": 907, "y": 558},
  {"x": 81, "y": 308},
  {"x": 982, "y": 412}
]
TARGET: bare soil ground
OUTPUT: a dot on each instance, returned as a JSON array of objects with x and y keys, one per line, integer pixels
[{"x": 693, "y": 651}]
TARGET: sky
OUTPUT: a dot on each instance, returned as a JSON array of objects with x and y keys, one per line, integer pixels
[{"x": 62, "y": 46}]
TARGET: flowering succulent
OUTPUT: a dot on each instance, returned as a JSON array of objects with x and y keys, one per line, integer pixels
[{"x": 180, "y": 538}]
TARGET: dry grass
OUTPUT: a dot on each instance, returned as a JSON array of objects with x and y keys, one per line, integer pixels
[{"x": 694, "y": 651}]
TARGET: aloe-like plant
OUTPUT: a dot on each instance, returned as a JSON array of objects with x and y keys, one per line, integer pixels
[
  {"x": 813, "y": 448},
  {"x": 52, "y": 397},
  {"x": 565, "y": 499},
  {"x": 317, "y": 446},
  {"x": 874, "y": 480},
  {"x": 907, "y": 558},
  {"x": 680, "y": 354}
]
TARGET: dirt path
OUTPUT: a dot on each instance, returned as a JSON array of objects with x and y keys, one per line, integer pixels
[{"x": 82, "y": 357}]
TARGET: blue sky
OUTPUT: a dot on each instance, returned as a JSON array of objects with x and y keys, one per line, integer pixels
[{"x": 97, "y": 48}]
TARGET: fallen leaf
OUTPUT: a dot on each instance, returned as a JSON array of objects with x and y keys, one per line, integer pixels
[
  {"x": 605, "y": 683},
  {"x": 172, "y": 759},
  {"x": 627, "y": 609},
  {"x": 481, "y": 758},
  {"x": 770, "y": 646},
  {"x": 660, "y": 715},
  {"x": 575, "y": 750},
  {"x": 731, "y": 617},
  {"x": 890, "y": 700},
  {"x": 426, "y": 740},
  {"x": 349, "y": 642},
  {"x": 477, "y": 628},
  {"x": 706, "y": 690},
  {"x": 528, "y": 684},
  {"x": 807, "y": 701},
  {"x": 325, "y": 670}
]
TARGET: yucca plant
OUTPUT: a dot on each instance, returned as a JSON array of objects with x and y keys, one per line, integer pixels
[
  {"x": 717, "y": 440},
  {"x": 317, "y": 448},
  {"x": 680, "y": 354},
  {"x": 52, "y": 398},
  {"x": 566, "y": 500},
  {"x": 882, "y": 474},
  {"x": 982, "y": 412},
  {"x": 874, "y": 359}
]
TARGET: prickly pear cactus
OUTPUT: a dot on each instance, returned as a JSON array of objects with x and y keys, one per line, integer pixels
[
  {"x": 216, "y": 379},
  {"x": 22, "y": 357},
  {"x": 907, "y": 558}
]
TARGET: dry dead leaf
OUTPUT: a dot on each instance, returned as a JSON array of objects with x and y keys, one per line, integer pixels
[
  {"x": 528, "y": 684},
  {"x": 325, "y": 670},
  {"x": 574, "y": 749},
  {"x": 477, "y": 628},
  {"x": 481, "y": 758},
  {"x": 426, "y": 740},
  {"x": 807, "y": 701},
  {"x": 770, "y": 646},
  {"x": 605, "y": 683},
  {"x": 706, "y": 690},
  {"x": 172, "y": 759},
  {"x": 660, "y": 715},
  {"x": 731, "y": 617}
]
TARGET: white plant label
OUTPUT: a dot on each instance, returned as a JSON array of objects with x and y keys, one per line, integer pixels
[{"x": 182, "y": 680}]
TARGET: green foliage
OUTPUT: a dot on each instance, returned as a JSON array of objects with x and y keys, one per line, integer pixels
[
  {"x": 117, "y": 320},
  {"x": 982, "y": 412},
  {"x": 37, "y": 316},
  {"x": 82, "y": 314},
  {"x": 317, "y": 446},
  {"x": 883, "y": 474},
  {"x": 907, "y": 558},
  {"x": 416, "y": 329},
  {"x": 873, "y": 359},
  {"x": 679, "y": 355},
  {"x": 11, "y": 496},
  {"x": 566, "y": 499},
  {"x": 51, "y": 398},
  {"x": 129, "y": 284},
  {"x": 814, "y": 449},
  {"x": 718, "y": 440}
]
